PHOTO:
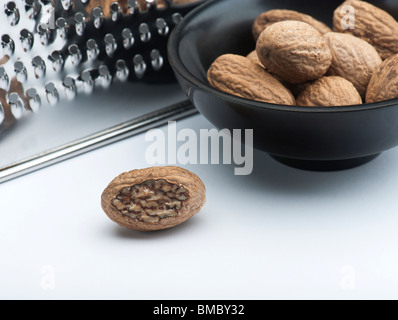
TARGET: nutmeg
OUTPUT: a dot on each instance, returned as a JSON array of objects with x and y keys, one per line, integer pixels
[
  {"x": 240, "y": 76},
  {"x": 153, "y": 198},
  {"x": 294, "y": 51}
]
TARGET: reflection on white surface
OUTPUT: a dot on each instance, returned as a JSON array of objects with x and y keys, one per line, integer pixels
[{"x": 69, "y": 121}]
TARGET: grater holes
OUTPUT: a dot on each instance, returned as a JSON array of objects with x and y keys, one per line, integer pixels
[
  {"x": 145, "y": 33},
  {"x": 75, "y": 55},
  {"x": 80, "y": 23},
  {"x": 32, "y": 9},
  {"x": 87, "y": 81},
  {"x": 98, "y": 17},
  {"x": 162, "y": 27},
  {"x": 105, "y": 77},
  {"x": 122, "y": 70},
  {"x": 45, "y": 33},
  {"x": 110, "y": 44},
  {"x": 115, "y": 11},
  {"x": 66, "y": 4},
  {"x": 128, "y": 38},
  {"x": 39, "y": 67},
  {"x": 156, "y": 60},
  {"x": 4, "y": 79},
  {"x": 52, "y": 94},
  {"x": 70, "y": 87},
  {"x": 139, "y": 66},
  {"x": 92, "y": 49},
  {"x": 26, "y": 39},
  {"x": 102, "y": 46},
  {"x": 20, "y": 71},
  {"x": 57, "y": 60},
  {"x": 8, "y": 45},
  {"x": 34, "y": 99},
  {"x": 12, "y": 13},
  {"x": 16, "y": 105},
  {"x": 62, "y": 27},
  {"x": 2, "y": 113}
]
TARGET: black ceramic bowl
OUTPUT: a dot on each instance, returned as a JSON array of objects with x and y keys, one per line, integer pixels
[{"x": 330, "y": 138}]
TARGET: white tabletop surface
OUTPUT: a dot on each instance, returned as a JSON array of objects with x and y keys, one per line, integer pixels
[{"x": 279, "y": 233}]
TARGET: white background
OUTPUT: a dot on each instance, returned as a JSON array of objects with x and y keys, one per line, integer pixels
[{"x": 279, "y": 233}]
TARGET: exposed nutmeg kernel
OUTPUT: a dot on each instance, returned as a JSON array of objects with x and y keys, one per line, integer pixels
[
  {"x": 331, "y": 91},
  {"x": 384, "y": 83},
  {"x": 371, "y": 24},
  {"x": 353, "y": 59},
  {"x": 239, "y": 76},
  {"x": 154, "y": 198},
  {"x": 294, "y": 51},
  {"x": 265, "y": 19}
]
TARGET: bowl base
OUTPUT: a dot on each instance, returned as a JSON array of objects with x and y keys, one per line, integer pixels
[{"x": 333, "y": 165}]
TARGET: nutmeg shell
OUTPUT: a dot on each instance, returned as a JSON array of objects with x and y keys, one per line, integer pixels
[{"x": 156, "y": 213}]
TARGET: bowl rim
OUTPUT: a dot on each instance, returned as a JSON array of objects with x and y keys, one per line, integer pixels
[{"x": 179, "y": 67}]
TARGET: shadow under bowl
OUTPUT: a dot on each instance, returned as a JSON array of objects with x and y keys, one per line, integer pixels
[{"x": 311, "y": 138}]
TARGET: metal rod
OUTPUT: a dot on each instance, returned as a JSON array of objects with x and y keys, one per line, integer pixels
[{"x": 116, "y": 133}]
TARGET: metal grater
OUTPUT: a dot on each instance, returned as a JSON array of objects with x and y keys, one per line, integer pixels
[{"x": 54, "y": 50}]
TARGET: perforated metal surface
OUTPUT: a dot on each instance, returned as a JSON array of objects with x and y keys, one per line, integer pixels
[
  {"x": 58, "y": 53},
  {"x": 57, "y": 50}
]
